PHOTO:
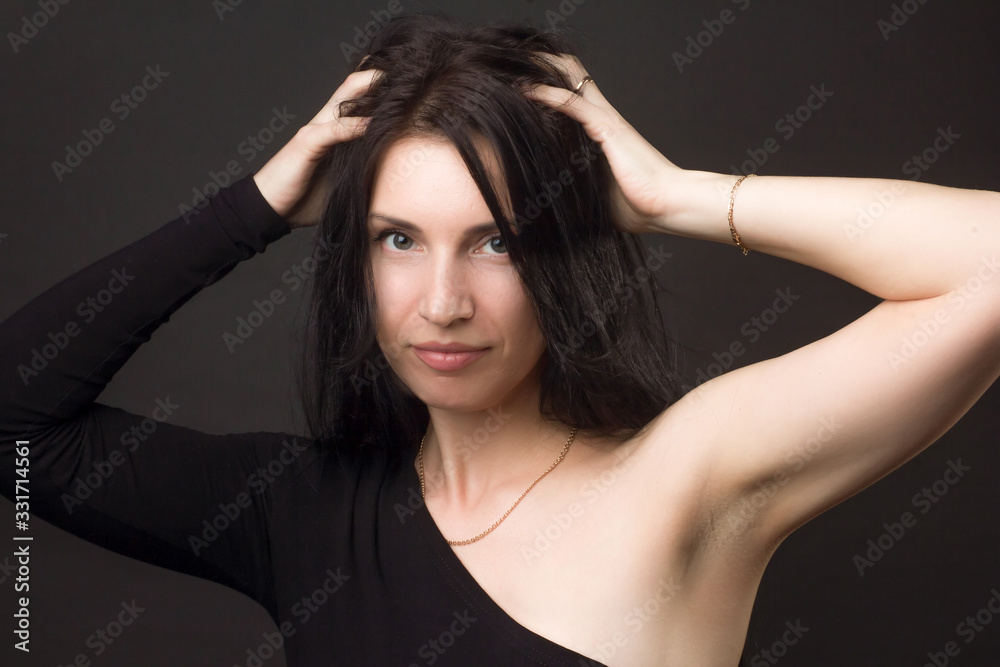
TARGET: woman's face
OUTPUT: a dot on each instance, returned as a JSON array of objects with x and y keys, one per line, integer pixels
[{"x": 443, "y": 276}]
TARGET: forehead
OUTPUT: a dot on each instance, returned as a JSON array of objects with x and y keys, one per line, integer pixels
[{"x": 426, "y": 178}]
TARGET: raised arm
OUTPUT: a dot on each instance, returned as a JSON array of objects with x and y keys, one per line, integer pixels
[
  {"x": 862, "y": 400},
  {"x": 134, "y": 484},
  {"x": 139, "y": 485},
  {"x": 825, "y": 421},
  {"x": 898, "y": 240}
]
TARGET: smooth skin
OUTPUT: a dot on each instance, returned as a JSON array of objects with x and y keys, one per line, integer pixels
[{"x": 646, "y": 553}]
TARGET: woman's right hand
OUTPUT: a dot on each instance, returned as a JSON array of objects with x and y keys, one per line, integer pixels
[{"x": 289, "y": 181}]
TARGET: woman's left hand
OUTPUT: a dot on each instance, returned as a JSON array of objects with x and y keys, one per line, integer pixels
[{"x": 646, "y": 182}]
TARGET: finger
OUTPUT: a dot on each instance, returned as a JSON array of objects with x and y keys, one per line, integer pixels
[
  {"x": 348, "y": 127},
  {"x": 572, "y": 104},
  {"x": 356, "y": 84},
  {"x": 599, "y": 119},
  {"x": 569, "y": 65},
  {"x": 575, "y": 74},
  {"x": 317, "y": 138}
]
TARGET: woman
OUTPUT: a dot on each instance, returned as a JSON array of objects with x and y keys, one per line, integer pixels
[{"x": 482, "y": 366}]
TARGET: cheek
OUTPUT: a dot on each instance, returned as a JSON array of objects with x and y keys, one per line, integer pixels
[
  {"x": 517, "y": 316},
  {"x": 393, "y": 298}
]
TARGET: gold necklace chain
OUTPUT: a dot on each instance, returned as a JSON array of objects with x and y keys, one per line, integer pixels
[{"x": 458, "y": 543}]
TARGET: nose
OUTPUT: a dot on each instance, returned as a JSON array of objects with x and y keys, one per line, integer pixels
[{"x": 447, "y": 296}]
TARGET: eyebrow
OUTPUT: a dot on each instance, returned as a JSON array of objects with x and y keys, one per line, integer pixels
[{"x": 476, "y": 230}]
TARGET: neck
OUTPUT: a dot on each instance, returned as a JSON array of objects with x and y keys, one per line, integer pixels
[{"x": 471, "y": 458}]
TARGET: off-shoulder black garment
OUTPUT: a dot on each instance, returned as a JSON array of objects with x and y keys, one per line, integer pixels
[{"x": 338, "y": 548}]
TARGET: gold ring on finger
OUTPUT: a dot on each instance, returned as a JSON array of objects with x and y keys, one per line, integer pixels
[{"x": 583, "y": 82}]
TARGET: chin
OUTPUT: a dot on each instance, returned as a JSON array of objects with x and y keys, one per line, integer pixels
[{"x": 457, "y": 399}]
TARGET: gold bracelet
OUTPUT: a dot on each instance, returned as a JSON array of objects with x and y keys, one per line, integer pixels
[{"x": 732, "y": 200}]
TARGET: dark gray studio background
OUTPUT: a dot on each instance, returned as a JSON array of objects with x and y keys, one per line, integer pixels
[{"x": 232, "y": 64}]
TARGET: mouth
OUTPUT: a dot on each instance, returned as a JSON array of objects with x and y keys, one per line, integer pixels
[{"x": 450, "y": 357}]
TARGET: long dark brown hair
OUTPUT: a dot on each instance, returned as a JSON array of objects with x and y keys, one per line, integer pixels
[{"x": 609, "y": 362}]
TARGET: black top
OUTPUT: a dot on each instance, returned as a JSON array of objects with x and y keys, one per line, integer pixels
[{"x": 339, "y": 549}]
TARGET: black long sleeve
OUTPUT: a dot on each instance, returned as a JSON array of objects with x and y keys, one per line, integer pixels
[{"x": 109, "y": 476}]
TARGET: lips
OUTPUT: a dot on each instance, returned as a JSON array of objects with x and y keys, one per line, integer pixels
[{"x": 448, "y": 356}]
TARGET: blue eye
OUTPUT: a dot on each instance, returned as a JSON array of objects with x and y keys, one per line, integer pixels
[
  {"x": 395, "y": 234},
  {"x": 401, "y": 242},
  {"x": 497, "y": 244}
]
